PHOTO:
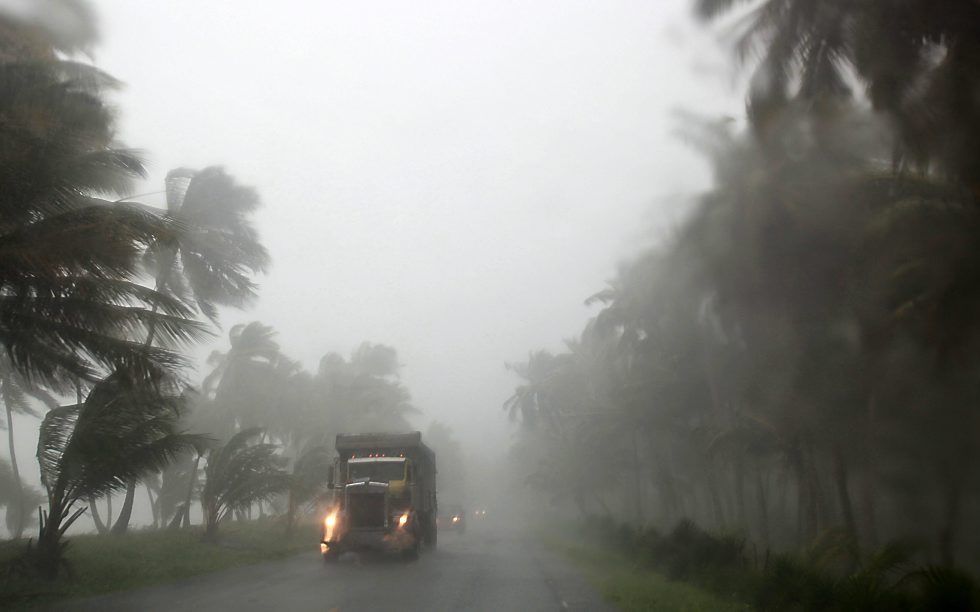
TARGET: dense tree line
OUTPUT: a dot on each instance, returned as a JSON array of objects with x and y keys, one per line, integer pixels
[
  {"x": 801, "y": 356},
  {"x": 101, "y": 295}
]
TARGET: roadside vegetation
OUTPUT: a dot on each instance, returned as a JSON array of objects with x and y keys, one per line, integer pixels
[
  {"x": 630, "y": 584},
  {"x": 798, "y": 362},
  {"x": 820, "y": 577},
  {"x": 148, "y": 557}
]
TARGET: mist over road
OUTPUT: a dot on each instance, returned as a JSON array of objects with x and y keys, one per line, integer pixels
[{"x": 480, "y": 570}]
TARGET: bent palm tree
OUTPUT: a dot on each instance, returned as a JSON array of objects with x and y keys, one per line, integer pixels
[
  {"x": 237, "y": 475},
  {"x": 124, "y": 429}
]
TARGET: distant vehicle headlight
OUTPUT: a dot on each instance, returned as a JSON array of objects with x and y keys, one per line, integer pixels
[
  {"x": 403, "y": 520},
  {"x": 455, "y": 519}
]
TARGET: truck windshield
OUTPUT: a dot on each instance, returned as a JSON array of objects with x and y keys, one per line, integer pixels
[{"x": 378, "y": 471}]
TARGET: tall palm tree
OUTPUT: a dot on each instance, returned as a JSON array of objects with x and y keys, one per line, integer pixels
[
  {"x": 124, "y": 429},
  {"x": 70, "y": 310},
  {"x": 68, "y": 305},
  {"x": 210, "y": 261},
  {"x": 16, "y": 393}
]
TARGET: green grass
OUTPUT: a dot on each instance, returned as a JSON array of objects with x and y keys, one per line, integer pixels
[
  {"x": 102, "y": 564},
  {"x": 637, "y": 588}
]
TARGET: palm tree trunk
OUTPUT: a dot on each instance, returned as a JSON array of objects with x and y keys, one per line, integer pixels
[
  {"x": 122, "y": 522},
  {"x": 190, "y": 492},
  {"x": 153, "y": 507},
  {"x": 844, "y": 496},
  {"x": 802, "y": 528},
  {"x": 760, "y": 491},
  {"x": 108, "y": 509},
  {"x": 290, "y": 512},
  {"x": 637, "y": 483},
  {"x": 738, "y": 472},
  {"x": 716, "y": 506},
  {"x": 18, "y": 528},
  {"x": 868, "y": 490},
  {"x": 101, "y": 527}
]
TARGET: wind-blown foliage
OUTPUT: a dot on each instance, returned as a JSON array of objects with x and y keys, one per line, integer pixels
[
  {"x": 918, "y": 62},
  {"x": 799, "y": 357},
  {"x": 211, "y": 260},
  {"x": 239, "y": 474},
  {"x": 124, "y": 429},
  {"x": 69, "y": 308}
]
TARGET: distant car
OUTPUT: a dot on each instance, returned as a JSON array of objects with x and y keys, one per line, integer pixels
[{"x": 452, "y": 518}]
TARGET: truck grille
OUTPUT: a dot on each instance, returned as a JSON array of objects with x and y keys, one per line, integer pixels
[{"x": 366, "y": 510}]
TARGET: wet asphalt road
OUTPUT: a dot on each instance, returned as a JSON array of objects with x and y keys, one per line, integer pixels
[{"x": 480, "y": 570}]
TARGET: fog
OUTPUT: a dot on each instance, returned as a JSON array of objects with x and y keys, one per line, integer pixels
[
  {"x": 693, "y": 278},
  {"x": 452, "y": 179}
]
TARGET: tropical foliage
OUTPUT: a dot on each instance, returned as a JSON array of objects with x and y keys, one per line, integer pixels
[
  {"x": 237, "y": 475},
  {"x": 123, "y": 430},
  {"x": 801, "y": 355}
]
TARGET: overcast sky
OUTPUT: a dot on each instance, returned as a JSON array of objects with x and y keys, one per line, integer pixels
[{"x": 449, "y": 178}]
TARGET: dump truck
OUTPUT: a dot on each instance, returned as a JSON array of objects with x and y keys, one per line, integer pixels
[{"x": 384, "y": 496}]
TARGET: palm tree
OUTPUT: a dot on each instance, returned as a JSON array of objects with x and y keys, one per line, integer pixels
[
  {"x": 15, "y": 393},
  {"x": 918, "y": 61},
  {"x": 68, "y": 305},
  {"x": 237, "y": 475},
  {"x": 124, "y": 429},
  {"x": 363, "y": 393},
  {"x": 531, "y": 400},
  {"x": 210, "y": 261},
  {"x": 39, "y": 32},
  {"x": 240, "y": 384}
]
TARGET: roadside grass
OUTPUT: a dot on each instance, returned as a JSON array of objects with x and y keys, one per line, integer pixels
[
  {"x": 102, "y": 564},
  {"x": 632, "y": 587}
]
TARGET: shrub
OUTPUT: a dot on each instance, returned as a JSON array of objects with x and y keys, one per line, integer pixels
[{"x": 822, "y": 578}]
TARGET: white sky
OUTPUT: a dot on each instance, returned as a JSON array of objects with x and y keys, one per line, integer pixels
[{"x": 450, "y": 178}]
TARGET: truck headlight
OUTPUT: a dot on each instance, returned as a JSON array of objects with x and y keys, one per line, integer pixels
[
  {"x": 403, "y": 520},
  {"x": 330, "y": 521}
]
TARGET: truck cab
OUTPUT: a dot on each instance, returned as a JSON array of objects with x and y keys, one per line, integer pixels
[{"x": 384, "y": 496}]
